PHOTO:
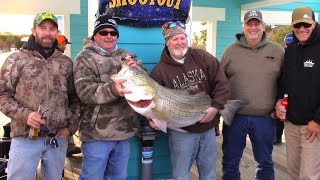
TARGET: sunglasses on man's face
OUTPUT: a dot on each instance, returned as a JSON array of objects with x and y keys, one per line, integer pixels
[
  {"x": 175, "y": 24},
  {"x": 305, "y": 25},
  {"x": 105, "y": 33}
]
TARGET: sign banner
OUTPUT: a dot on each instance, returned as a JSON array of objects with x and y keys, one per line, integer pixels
[{"x": 145, "y": 13}]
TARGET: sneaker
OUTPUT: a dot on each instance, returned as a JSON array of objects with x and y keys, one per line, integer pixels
[{"x": 76, "y": 150}]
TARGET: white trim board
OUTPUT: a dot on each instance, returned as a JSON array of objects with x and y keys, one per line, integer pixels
[
  {"x": 265, "y": 3},
  {"x": 275, "y": 17}
]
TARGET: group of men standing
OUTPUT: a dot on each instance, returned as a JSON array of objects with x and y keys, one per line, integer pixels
[{"x": 40, "y": 88}]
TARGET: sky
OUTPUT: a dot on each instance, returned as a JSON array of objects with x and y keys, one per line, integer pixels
[{"x": 22, "y": 24}]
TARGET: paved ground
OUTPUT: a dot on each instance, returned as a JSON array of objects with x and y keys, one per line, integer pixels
[{"x": 247, "y": 165}]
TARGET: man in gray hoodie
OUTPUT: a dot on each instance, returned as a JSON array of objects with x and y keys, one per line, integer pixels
[{"x": 252, "y": 65}]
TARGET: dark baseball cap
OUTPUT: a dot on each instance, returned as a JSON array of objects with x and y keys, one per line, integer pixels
[{"x": 252, "y": 14}]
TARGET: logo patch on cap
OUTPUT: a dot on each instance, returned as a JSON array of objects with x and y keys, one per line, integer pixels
[
  {"x": 44, "y": 16},
  {"x": 253, "y": 14},
  {"x": 306, "y": 16}
]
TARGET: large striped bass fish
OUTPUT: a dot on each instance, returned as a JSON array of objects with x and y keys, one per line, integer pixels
[{"x": 176, "y": 108}]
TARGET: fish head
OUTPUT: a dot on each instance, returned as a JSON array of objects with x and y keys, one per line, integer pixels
[{"x": 140, "y": 84}]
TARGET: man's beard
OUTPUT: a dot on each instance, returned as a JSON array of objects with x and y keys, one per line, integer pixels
[
  {"x": 178, "y": 53},
  {"x": 45, "y": 45}
]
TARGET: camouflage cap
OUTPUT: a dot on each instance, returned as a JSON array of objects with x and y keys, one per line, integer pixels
[
  {"x": 170, "y": 29},
  {"x": 44, "y": 16},
  {"x": 302, "y": 15}
]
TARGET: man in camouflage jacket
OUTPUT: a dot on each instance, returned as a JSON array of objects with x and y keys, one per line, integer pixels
[
  {"x": 107, "y": 120},
  {"x": 37, "y": 92}
]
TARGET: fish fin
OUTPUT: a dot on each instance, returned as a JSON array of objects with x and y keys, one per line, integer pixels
[
  {"x": 231, "y": 108},
  {"x": 162, "y": 125}
]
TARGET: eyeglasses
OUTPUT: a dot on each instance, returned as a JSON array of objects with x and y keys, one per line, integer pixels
[
  {"x": 175, "y": 24},
  {"x": 305, "y": 25},
  {"x": 105, "y": 33}
]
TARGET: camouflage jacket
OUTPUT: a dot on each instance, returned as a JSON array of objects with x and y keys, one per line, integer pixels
[
  {"x": 28, "y": 80},
  {"x": 104, "y": 115}
]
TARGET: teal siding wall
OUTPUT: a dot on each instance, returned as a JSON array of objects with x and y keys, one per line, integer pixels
[
  {"x": 78, "y": 29},
  {"x": 161, "y": 159},
  {"x": 147, "y": 44}
]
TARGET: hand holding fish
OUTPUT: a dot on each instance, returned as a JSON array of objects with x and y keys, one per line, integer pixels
[
  {"x": 210, "y": 113},
  {"x": 131, "y": 62},
  {"x": 119, "y": 87},
  {"x": 130, "y": 59}
]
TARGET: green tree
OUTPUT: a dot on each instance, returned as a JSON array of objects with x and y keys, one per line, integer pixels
[
  {"x": 277, "y": 33},
  {"x": 8, "y": 40},
  {"x": 201, "y": 40}
]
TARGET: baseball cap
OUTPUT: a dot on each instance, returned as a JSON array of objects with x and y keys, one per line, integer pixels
[
  {"x": 44, "y": 16},
  {"x": 252, "y": 14},
  {"x": 302, "y": 15},
  {"x": 62, "y": 39}
]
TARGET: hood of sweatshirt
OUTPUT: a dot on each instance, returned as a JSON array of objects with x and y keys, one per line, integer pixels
[
  {"x": 241, "y": 41},
  {"x": 31, "y": 44}
]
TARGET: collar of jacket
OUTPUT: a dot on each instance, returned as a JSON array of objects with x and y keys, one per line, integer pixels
[
  {"x": 33, "y": 45},
  {"x": 241, "y": 41}
]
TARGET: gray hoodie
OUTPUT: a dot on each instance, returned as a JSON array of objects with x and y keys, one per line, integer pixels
[{"x": 253, "y": 73}]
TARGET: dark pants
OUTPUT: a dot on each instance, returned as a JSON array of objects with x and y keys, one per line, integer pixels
[
  {"x": 279, "y": 129},
  {"x": 261, "y": 133}
]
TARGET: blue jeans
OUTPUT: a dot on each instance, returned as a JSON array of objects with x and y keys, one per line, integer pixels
[
  {"x": 106, "y": 160},
  {"x": 186, "y": 147},
  {"x": 25, "y": 155},
  {"x": 261, "y": 134}
]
